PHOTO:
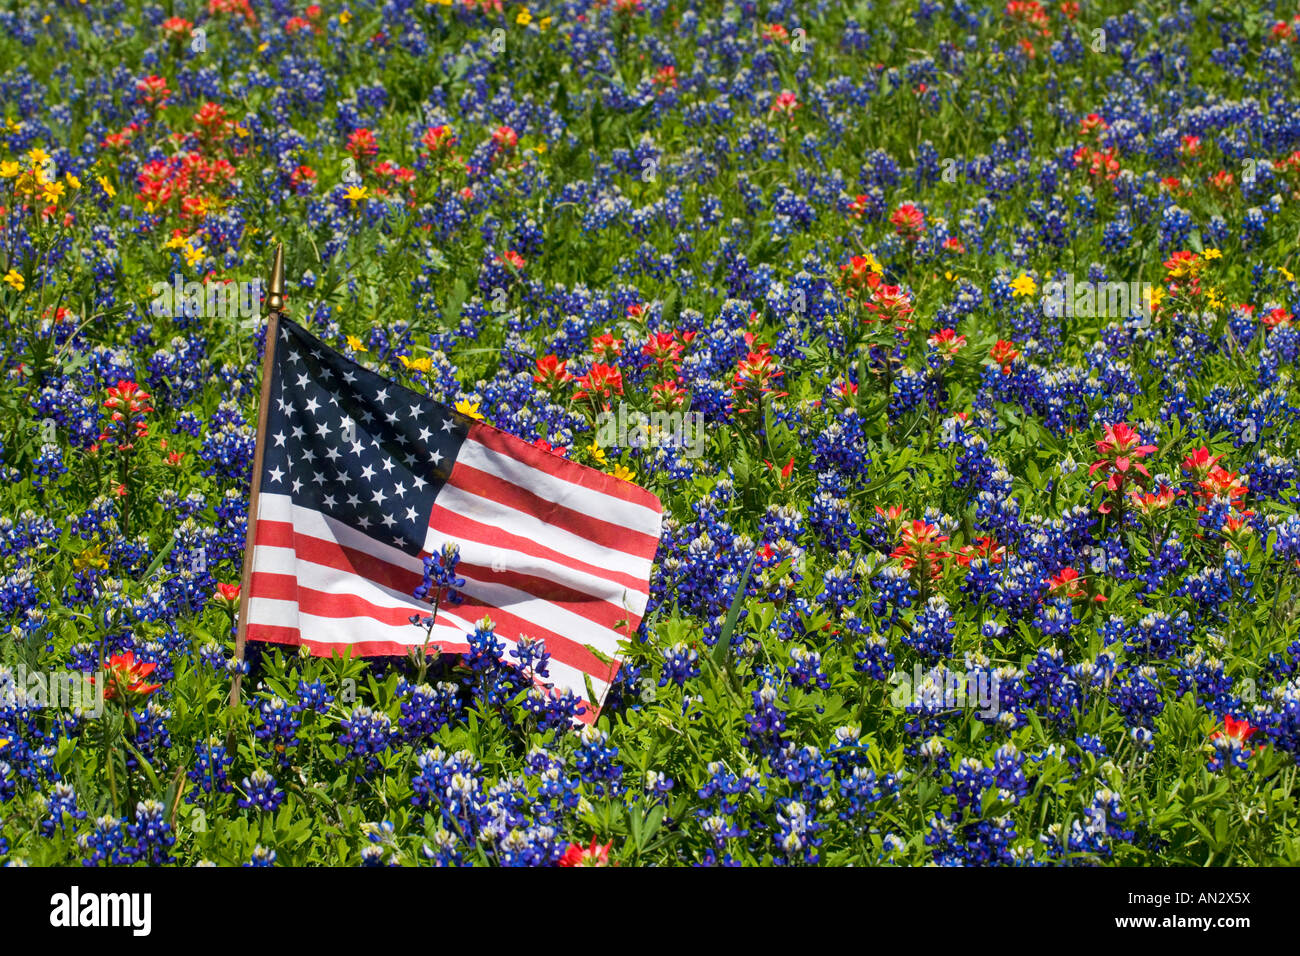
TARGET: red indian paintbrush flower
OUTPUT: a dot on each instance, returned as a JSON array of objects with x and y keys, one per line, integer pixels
[
  {"x": 668, "y": 396},
  {"x": 1029, "y": 12},
  {"x": 1004, "y": 353},
  {"x": 226, "y": 597},
  {"x": 894, "y": 516},
  {"x": 785, "y": 470},
  {"x": 593, "y": 855},
  {"x": 1200, "y": 462},
  {"x": 128, "y": 404},
  {"x": 785, "y": 103},
  {"x": 176, "y": 28},
  {"x": 1183, "y": 272},
  {"x": 1101, "y": 164},
  {"x": 600, "y": 384},
  {"x": 947, "y": 343},
  {"x": 550, "y": 372},
  {"x": 857, "y": 275},
  {"x": 1090, "y": 123},
  {"x": 211, "y": 118},
  {"x": 1151, "y": 503},
  {"x": 985, "y": 548},
  {"x": 858, "y": 205},
  {"x": 890, "y": 303},
  {"x": 1120, "y": 447},
  {"x": 438, "y": 139},
  {"x": 512, "y": 258},
  {"x": 756, "y": 375},
  {"x": 125, "y": 678},
  {"x": 908, "y": 221},
  {"x": 1238, "y": 730},
  {"x": 362, "y": 145},
  {"x": 1224, "y": 484},
  {"x": 663, "y": 349},
  {"x": 606, "y": 348},
  {"x": 505, "y": 138},
  {"x": 1065, "y": 584},
  {"x": 152, "y": 90},
  {"x": 920, "y": 548}
]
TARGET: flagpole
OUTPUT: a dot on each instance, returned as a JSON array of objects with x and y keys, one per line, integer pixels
[{"x": 275, "y": 306}]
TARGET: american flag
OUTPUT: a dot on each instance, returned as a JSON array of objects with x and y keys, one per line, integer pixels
[{"x": 361, "y": 478}]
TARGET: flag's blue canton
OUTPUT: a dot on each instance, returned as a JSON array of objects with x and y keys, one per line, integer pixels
[{"x": 348, "y": 443}]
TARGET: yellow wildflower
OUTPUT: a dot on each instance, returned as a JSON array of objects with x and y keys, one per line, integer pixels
[
  {"x": 622, "y": 472},
  {"x": 15, "y": 278},
  {"x": 105, "y": 185},
  {"x": 355, "y": 193},
  {"x": 9, "y": 169},
  {"x": 1154, "y": 296},
  {"x": 90, "y": 558},
  {"x": 72, "y": 180},
  {"x": 597, "y": 453},
  {"x": 51, "y": 192},
  {"x": 523, "y": 18},
  {"x": 345, "y": 18},
  {"x": 356, "y": 345},
  {"x": 1024, "y": 285},
  {"x": 469, "y": 408},
  {"x": 1212, "y": 254}
]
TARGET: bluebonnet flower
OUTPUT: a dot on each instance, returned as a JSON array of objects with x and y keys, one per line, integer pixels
[
  {"x": 151, "y": 833},
  {"x": 366, "y": 733},
  {"x": 681, "y": 663},
  {"x": 260, "y": 792}
]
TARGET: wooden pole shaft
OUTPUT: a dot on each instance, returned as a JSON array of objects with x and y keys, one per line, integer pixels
[{"x": 255, "y": 485}]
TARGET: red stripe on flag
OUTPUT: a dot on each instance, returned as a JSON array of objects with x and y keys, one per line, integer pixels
[{"x": 275, "y": 634}]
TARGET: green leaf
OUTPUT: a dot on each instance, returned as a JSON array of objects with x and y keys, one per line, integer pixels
[
  {"x": 459, "y": 293},
  {"x": 733, "y": 615},
  {"x": 157, "y": 562}
]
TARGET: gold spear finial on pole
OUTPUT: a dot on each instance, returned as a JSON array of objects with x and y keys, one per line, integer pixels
[{"x": 275, "y": 298}]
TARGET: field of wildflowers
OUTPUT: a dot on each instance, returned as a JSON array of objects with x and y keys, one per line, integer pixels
[{"x": 957, "y": 338}]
